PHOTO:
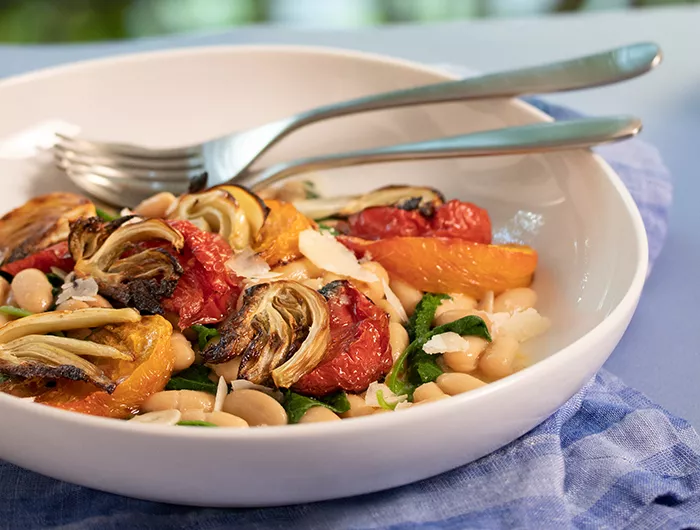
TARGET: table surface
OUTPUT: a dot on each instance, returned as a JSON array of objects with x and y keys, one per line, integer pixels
[{"x": 660, "y": 353}]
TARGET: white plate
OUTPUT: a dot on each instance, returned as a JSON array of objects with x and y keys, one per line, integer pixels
[{"x": 570, "y": 206}]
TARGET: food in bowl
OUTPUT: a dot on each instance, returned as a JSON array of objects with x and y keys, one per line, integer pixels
[{"x": 228, "y": 309}]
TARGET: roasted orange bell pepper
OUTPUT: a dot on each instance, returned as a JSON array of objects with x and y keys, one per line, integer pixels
[
  {"x": 449, "y": 265},
  {"x": 149, "y": 372},
  {"x": 278, "y": 240}
]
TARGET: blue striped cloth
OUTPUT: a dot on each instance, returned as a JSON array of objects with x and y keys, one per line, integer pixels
[{"x": 609, "y": 458}]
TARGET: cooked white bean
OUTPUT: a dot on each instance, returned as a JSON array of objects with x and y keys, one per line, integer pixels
[
  {"x": 301, "y": 269},
  {"x": 456, "y": 383},
  {"x": 517, "y": 299},
  {"x": 358, "y": 407},
  {"x": 456, "y": 302},
  {"x": 427, "y": 391},
  {"x": 390, "y": 310},
  {"x": 32, "y": 290},
  {"x": 408, "y": 296},
  {"x": 375, "y": 290},
  {"x": 468, "y": 360},
  {"x": 99, "y": 301},
  {"x": 71, "y": 305},
  {"x": 398, "y": 339},
  {"x": 182, "y": 400},
  {"x": 4, "y": 290},
  {"x": 182, "y": 350},
  {"x": 313, "y": 283},
  {"x": 486, "y": 303},
  {"x": 255, "y": 407},
  {"x": 227, "y": 370},
  {"x": 430, "y": 400},
  {"x": 318, "y": 415},
  {"x": 451, "y": 316},
  {"x": 156, "y": 206},
  {"x": 218, "y": 418},
  {"x": 497, "y": 361}
]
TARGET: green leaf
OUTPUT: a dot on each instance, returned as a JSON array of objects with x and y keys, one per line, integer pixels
[
  {"x": 105, "y": 216},
  {"x": 469, "y": 325},
  {"x": 195, "y": 423},
  {"x": 382, "y": 402},
  {"x": 424, "y": 368},
  {"x": 4, "y": 378},
  {"x": 325, "y": 229},
  {"x": 14, "y": 311},
  {"x": 296, "y": 405},
  {"x": 196, "y": 377},
  {"x": 54, "y": 279},
  {"x": 204, "y": 335},
  {"x": 422, "y": 318}
]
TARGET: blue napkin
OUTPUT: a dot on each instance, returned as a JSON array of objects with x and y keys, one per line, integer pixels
[{"x": 609, "y": 458}]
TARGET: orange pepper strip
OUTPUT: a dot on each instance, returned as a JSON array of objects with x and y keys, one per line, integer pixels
[
  {"x": 149, "y": 340},
  {"x": 278, "y": 240},
  {"x": 450, "y": 265}
]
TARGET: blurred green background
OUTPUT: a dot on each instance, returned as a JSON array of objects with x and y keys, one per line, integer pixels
[{"x": 45, "y": 21}]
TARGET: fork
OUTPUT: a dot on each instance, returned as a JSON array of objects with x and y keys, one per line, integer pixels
[
  {"x": 230, "y": 157},
  {"x": 538, "y": 137}
]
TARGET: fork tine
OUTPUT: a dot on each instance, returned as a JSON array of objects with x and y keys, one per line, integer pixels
[
  {"x": 67, "y": 156},
  {"x": 108, "y": 148},
  {"x": 174, "y": 176}
]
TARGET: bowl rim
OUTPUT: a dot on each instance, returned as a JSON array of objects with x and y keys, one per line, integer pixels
[{"x": 614, "y": 320}]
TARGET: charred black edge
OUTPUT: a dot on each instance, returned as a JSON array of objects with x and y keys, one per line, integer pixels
[
  {"x": 30, "y": 369},
  {"x": 198, "y": 183},
  {"x": 333, "y": 289}
]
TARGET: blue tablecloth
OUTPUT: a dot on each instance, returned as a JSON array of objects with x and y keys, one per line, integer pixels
[{"x": 609, "y": 458}]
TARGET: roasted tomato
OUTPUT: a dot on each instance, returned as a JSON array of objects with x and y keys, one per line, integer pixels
[
  {"x": 148, "y": 373},
  {"x": 207, "y": 291},
  {"x": 359, "y": 351},
  {"x": 278, "y": 240},
  {"x": 450, "y": 265},
  {"x": 456, "y": 219},
  {"x": 54, "y": 256}
]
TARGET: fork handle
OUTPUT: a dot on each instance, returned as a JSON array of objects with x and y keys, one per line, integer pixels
[
  {"x": 603, "y": 68},
  {"x": 539, "y": 137}
]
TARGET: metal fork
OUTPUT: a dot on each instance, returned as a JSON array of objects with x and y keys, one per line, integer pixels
[
  {"x": 539, "y": 137},
  {"x": 231, "y": 156}
]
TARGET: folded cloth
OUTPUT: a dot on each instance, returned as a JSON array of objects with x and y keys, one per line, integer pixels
[{"x": 609, "y": 458}]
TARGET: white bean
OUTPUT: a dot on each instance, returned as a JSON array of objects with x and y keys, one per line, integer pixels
[
  {"x": 456, "y": 383},
  {"x": 227, "y": 370},
  {"x": 32, "y": 290},
  {"x": 182, "y": 400},
  {"x": 427, "y": 391},
  {"x": 358, "y": 407},
  {"x": 71, "y": 305},
  {"x": 408, "y": 296},
  {"x": 318, "y": 415},
  {"x": 218, "y": 418},
  {"x": 497, "y": 361},
  {"x": 255, "y": 407},
  {"x": 517, "y": 299},
  {"x": 301, "y": 269},
  {"x": 467, "y": 360},
  {"x": 398, "y": 339},
  {"x": 456, "y": 302},
  {"x": 182, "y": 350},
  {"x": 4, "y": 290}
]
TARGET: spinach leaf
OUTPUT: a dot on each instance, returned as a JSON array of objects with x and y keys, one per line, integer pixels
[
  {"x": 14, "y": 311},
  {"x": 54, "y": 279},
  {"x": 469, "y": 325},
  {"x": 196, "y": 377},
  {"x": 423, "y": 368},
  {"x": 105, "y": 216},
  {"x": 195, "y": 423},
  {"x": 325, "y": 229},
  {"x": 204, "y": 335},
  {"x": 296, "y": 404},
  {"x": 4, "y": 378},
  {"x": 422, "y": 318},
  {"x": 310, "y": 190}
]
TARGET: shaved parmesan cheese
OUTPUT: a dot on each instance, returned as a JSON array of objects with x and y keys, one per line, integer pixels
[
  {"x": 403, "y": 405},
  {"x": 83, "y": 289},
  {"x": 221, "y": 393},
  {"x": 446, "y": 342},
  {"x": 521, "y": 325},
  {"x": 324, "y": 251},
  {"x": 247, "y": 264},
  {"x": 241, "y": 384},
  {"x": 389, "y": 397},
  {"x": 126, "y": 211},
  {"x": 394, "y": 301}
]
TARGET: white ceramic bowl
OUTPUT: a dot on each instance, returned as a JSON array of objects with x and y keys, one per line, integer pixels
[{"x": 570, "y": 206}]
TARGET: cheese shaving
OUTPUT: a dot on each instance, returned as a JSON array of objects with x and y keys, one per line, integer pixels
[
  {"x": 83, "y": 289},
  {"x": 389, "y": 397},
  {"x": 394, "y": 301},
  {"x": 521, "y": 325},
  {"x": 327, "y": 253},
  {"x": 446, "y": 342},
  {"x": 221, "y": 393},
  {"x": 247, "y": 264}
]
